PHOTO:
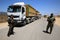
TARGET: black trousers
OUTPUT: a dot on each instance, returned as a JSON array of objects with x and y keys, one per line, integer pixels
[
  {"x": 11, "y": 28},
  {"x": 50, "y": 25}
]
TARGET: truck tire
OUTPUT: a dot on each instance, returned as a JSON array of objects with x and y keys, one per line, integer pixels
[
  {"x": 28, "y": 21},
  {"x": 24, "y": 22},
  {"x": 33, "y": 19}
]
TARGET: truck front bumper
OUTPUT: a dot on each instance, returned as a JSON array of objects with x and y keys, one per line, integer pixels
[{"x": 14, "y": 21}]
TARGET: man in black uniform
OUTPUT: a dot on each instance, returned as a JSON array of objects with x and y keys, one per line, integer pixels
[
  {"x": 11, "y": 26},
  {"x": 50, "y": 20}
]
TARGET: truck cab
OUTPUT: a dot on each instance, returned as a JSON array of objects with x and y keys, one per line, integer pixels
[{"x": 18, "y": 11}]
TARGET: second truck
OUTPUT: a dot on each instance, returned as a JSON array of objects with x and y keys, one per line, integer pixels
[{"x": 22, "y": 13}]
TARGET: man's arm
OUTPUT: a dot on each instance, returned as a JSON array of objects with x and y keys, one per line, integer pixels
[{"x": 48, "y": 19}]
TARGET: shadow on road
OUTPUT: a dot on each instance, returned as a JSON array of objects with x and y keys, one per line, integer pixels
[{"x": 20, "y": 25}]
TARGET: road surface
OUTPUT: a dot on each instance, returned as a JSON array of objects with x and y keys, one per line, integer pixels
[{"x": 32, "y": 31}]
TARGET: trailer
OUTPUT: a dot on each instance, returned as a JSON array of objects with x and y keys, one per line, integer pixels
[{"x": 22, "y": 13}]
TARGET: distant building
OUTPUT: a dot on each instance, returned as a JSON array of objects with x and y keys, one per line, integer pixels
[
  {"x": 45, "y": 16},
  {"x": 58, "y": 15}
]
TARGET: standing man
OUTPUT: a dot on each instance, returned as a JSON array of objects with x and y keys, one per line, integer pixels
[
  {"x": 50, "y": 20},
  {"x": 11, "y": 27}
]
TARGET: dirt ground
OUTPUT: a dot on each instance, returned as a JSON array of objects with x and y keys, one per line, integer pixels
[
  {"x": 57, "y": 21},
  {"x": 3, "y": 25}
]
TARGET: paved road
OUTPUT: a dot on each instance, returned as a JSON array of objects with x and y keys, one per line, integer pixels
[{"x": 32, "y": 31}]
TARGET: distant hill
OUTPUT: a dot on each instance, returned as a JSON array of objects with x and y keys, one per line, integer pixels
[
  {"x": 3, "y": 13},
  {"x": 58, "y": 15},
  {"x": 3, "y": 17}
]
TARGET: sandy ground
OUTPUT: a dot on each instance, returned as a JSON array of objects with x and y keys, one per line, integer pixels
[
  {"x": 5, "y": 24},
  {"x": 57, "y": 21}
]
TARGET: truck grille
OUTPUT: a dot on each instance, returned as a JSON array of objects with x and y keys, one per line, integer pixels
[{"x": 14, "y": 16}]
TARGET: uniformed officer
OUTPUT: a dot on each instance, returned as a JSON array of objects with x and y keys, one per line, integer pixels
[
  {"x": 50, "y": 20},
  {"x": 11, "y": 27}
]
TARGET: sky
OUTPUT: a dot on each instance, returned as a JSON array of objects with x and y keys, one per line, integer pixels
[{"x": 45, "y": 7}]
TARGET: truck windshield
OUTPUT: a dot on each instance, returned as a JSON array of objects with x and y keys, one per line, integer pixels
[{"x": 14, "y": 9}]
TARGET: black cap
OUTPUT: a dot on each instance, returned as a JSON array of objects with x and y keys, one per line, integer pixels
[{"x": 51, "y": 13}]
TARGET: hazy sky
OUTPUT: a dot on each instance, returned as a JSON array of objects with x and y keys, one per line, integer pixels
[{"x": 43, "y": 6}]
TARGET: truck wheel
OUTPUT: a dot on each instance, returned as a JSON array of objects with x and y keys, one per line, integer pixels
[
  {"x": 28, "y": 21},
  {"x": 33, "y": 20},
  {"x": 24, "y": 22}
]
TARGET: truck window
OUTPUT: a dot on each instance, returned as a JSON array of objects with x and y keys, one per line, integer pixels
[
  {"x": 23, "y": 10},
  {"x": 14, "y": 9}
]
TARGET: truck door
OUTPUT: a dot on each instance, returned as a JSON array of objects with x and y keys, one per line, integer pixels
[{"x": 23, "y": 13}]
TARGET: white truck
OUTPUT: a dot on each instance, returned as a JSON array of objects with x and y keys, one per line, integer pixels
[{"x": 21, "y": 13}]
